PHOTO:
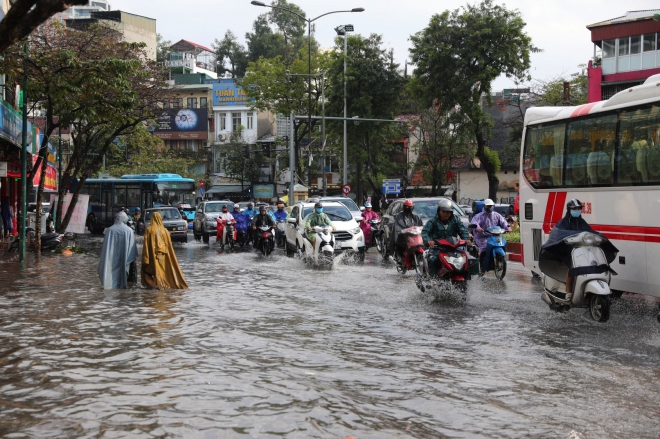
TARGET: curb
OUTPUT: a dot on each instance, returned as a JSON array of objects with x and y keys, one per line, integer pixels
[{"x": 515, "y": 257}]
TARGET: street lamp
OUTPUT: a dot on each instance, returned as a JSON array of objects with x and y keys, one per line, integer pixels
[
  {"x": 309, "y": 61},
  {"x": 342, "y": 30}
]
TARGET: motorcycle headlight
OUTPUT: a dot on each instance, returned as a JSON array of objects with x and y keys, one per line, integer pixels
[
  {"x": 209, "y": 218},
  {"x": 457, "y": 262},
  {"x": 588, "y": 238},
  {"x": 355, "y": 231}
]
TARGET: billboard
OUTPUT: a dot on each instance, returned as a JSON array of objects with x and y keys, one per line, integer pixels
[
  {"x": 182, "y": 123},
  {"x": 263, "y": 190},
  {"x": 227, "y": 94}
]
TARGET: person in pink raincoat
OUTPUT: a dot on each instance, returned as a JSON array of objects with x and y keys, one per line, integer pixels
[{"x": 368, "y": 214}]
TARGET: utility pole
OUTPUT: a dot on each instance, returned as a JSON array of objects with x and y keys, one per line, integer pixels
[{"x": 21, "y": 227}]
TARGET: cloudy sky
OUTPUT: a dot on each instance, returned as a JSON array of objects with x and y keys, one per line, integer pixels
[{"x": 556, "y": 26}]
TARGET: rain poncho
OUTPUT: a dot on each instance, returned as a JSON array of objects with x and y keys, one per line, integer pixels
[
  {"x": 556, "y": 250},
  {"x": 402, "y": 222},
  {"x": 280, "y": 215},
  {"x": 250, "y": 212},
  {"x": 158, "y": 258},
  {"x": 242, "y": 221},
  {"x": 487, "y": 220},
  {"x": 316, "y": 219},
  {"x": 118, "y": 252},
  {"x": 365, "y": 226}
]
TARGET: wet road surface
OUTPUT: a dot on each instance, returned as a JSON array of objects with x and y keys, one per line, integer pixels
[{"x": 271, "y": 349}]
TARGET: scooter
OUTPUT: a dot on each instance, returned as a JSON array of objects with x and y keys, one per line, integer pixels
[
  {"x": 454, "y": 268},
  {"x": 413, "y": 256},
  {"x": 280, "y": 234},
  {"x": 326, "y": 247},
  {"x": 264, "y": 239},
  {"x": 226, "y": 231},
  {"x": 376, "y": 239},
  {"x": 495, "y": 257},
  {"x": 591, "y": 289},
  {"x": 49, "y": 241}
]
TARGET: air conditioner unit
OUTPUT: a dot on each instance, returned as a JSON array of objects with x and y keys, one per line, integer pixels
[{"x": 221, "y": 137}]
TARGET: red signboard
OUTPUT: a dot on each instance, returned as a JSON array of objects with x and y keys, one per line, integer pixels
[{"x": 346, "y": 189}]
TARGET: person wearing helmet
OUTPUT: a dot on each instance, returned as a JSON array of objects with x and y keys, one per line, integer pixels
[
  {"x": 571, "y": 224},
  {"x": 367, "y": 216},
  {"x": 316, "y": 218},
  {"x": 280, "y": 216},
  {"x": 242, "y": 220},
  {"x": 261, "y": 219},
  {"x": 403, "y": 220},
  {"x": 138, "y": 220},
  {"x": 443, "y": 225},
  {"x": 250, "y": 211},
  {"x": 221, "y": 235},
  {"x": 484, "y": 220}
]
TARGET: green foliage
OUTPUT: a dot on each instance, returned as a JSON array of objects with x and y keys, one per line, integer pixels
[
  {"x": 143, "y": 153},
  {"x": 551, "y": 92},
  {"x": 513, "y": 236},
  {"x": 239, "y": 162},
  {"x": 492, "y": 159},
  {"x": 162, "y": 48},
  {"x": 231, "y": 55},
  {"x": 458, "y": 56},
  {"x": 262, "y": 42}
]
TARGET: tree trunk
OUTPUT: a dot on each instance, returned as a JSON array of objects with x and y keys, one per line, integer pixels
[{"x": 493, "y": 181}]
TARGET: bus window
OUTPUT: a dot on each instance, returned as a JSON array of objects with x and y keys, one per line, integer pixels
[
  {"x": 543, "y": 156},
  {"x": 94, "y": 192},
  {"x": 589, "y": 151},
  {"x": 120, "y": 195},
  {"x": 133, "y": 193},
  {"x": 639, "y": 156}
]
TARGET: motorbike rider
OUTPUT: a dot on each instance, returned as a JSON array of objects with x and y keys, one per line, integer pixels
[
  {"x": 484, "y": 220},
  {"x": 138, "y": 220},
  {"x": 220, "y": 228},
  {"x": 242, "y": 220},
  {"x": 571, "y": 224},
  {"x": 260, "y": 219},
  {"x": 403, "y": 220},
  {"x": 280, "y": 215},
  {"x": 250, "y": 211},
  {"x": 443, "y": 225},
  {"x": 367, "y": 216},
  {"x": 316, "y": 218}
]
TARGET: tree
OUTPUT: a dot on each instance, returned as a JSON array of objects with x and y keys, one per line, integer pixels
[
  {"x": 262, "y": 42},
  {"x": 24, "y": 16},
  {"x": 237, "y": 57},
  {"x": 458, "y": 56},
  {"x": 552, "y": 92},
  {"x": 162, "y": 48},
  {"x": 143, "y": 153},
  {"x": 441, "y": 136},
  {"x": 100, "y": 86},
  {"x": 239, "y": 162},
  {"x": 373, "y": 86},
  {"x": 290, "y": 26}
]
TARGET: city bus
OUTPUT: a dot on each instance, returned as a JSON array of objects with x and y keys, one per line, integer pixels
[
  {"x": 107, "y": 196},
  {"x": 605, "y": 154}
]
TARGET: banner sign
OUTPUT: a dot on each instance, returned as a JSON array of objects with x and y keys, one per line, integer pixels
[
  {"x": 227, "y": 94},
  {"x": 391, "y": 186},
  {"x": 79, "y": 216},
  {"x": 50, "y": 183},
  {"x": 11, "y": 126},
  {"x": 263, "y": 190},
  {"x": 180, "y": 124}
]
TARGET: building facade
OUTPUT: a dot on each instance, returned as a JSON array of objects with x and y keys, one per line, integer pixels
[
  {"x": 626, "y": 53},
  {"x": 186, "y": 57},
  {"x": 82, "y": 12}
]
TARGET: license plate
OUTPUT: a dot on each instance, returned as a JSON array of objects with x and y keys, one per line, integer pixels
[{"x": 337, "y": 245}]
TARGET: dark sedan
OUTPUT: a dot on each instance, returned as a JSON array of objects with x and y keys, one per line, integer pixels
[{"x": 172, "y": 221}]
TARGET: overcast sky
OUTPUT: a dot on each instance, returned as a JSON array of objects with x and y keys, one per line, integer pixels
[{"x": 556, "y": 26}]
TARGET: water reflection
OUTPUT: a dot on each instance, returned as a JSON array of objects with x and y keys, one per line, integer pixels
[{"x": 270, "y": 348}]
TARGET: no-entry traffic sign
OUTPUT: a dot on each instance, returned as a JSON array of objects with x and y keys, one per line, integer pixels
[{"x": 346, "y": 189}]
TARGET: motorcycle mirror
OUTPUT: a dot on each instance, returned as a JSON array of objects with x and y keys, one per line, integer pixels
[{"x": 472, "y": 226}]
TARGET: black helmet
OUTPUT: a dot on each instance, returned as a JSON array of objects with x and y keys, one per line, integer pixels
[
  {"x": 318, "y": 205},
  {"x": 262, "y": 207},
  {"x": 573, "y": 204}
]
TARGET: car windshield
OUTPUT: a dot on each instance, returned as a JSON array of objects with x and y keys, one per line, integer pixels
[
  {"x": 217, "y": 207},
  {"x": 335, "y": 213},
  {"x": 167, "y": 214},
  {"x": 428, "y": 208}
]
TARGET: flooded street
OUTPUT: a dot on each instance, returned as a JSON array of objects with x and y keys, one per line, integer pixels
[{"x": 272, "y": 349}]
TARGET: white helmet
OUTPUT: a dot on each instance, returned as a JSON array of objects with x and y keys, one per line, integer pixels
[
  {"x": 488, "y": 202},
  {"x": 236, "y": 206}
]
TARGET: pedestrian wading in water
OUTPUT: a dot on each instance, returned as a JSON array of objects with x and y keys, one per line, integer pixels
[
  {"x": 118, "y": 255},
  {"x": 160, "y": 268}
]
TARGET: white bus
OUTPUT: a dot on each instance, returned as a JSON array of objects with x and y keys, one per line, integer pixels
[{"x": 607, "y": 155}]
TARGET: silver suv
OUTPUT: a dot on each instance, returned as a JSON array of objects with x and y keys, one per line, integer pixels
[{"x": 204, "y": 224}]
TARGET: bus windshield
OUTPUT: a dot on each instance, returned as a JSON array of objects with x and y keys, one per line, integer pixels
[{"x": 173, "y": 193}]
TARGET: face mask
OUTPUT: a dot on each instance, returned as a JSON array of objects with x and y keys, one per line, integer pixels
[
  {"x": 576, "y": 213},
  {"x": 488, "y": 209},
  {"x": 407, "y": 210},
  {"x": 319, "y": 210}
]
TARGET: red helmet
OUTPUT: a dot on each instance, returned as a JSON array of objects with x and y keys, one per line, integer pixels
[{"x": 409, "y": 203}]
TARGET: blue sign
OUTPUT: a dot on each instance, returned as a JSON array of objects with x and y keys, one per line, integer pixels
[
  {"x": 227, "y": 94},
  {"x": 392, "y": 186}
]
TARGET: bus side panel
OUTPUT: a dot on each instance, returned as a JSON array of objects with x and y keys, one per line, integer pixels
[{"x": 532, "y": 235}]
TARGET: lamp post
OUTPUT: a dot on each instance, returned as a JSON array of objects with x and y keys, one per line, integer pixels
[
  {"x": 309, "y": 60},
  {"x": 341, "y": 30}
]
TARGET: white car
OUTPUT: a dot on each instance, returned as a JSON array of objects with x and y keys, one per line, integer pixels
[{"x": 348, "y": 235}]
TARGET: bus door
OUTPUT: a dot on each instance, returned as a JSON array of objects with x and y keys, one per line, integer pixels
[
  {"x": 107, "y": 218},
  {"x": 145, "y": 191}
]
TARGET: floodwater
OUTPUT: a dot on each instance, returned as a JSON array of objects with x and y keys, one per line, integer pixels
[{"x": 262, "y": 348}]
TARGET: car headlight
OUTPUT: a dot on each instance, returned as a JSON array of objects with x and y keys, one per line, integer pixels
[
  {"x": 179, "y": 228},
  {"x": 588, "y": 238},
  {"x": 209, "y": 218},
  {"x": 457, "y": 262},
  {"x": 355, "y": 231}
]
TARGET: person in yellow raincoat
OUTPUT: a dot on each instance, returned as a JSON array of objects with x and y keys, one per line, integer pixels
[{"x": 160, "y": 268}]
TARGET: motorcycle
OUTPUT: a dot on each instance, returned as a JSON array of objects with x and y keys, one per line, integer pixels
[
  {"x": 264, "y": 239},
  {"x": 376, "y": 239},
  {"x": 49, "y": 241},
  {"x": 280, "y": 234},
  {"x": 454, "y": 267},
  {"x": 226, "y": 232},
  {"x": 591, "y": 288},
  {"x": 131, "y": 224},
  {"x": 326, "y": 247},
  {"x": 495, "y": 257},
  {"x": 413, "y": 255}
]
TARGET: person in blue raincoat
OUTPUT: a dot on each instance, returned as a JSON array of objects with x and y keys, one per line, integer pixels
[
  {"x": 242, "y": 220},
  {"x": 280, "y": 215},
  {"x": 250, "y": 211},
  {"x": 118, "y": 255},
  {"x": 486, "y": 219}
]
